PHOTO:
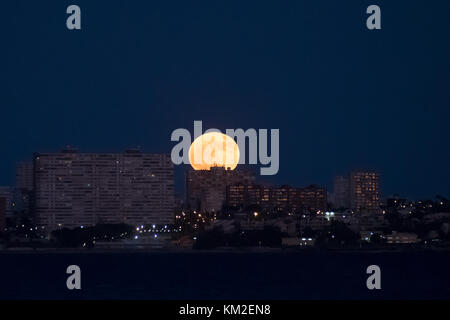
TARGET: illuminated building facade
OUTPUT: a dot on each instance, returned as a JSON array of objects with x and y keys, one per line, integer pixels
[
  {"x": 283, "y": 198},
  {"x": 206, "y": 189},
  {"x": 78, "y": 189},
  {"x": 359, "y": 191},
  {"x": 311, "y": 198},
  {"x": 364, "y": 190}
]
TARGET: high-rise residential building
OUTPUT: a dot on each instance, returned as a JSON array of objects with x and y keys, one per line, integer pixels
[
  {"x": 7, "y": 193},
  {"x": 359, "y": 191},
  {"x": 78, "y": 189},
  {"x": 312, "y": 198},
  {"x": 341, "y": 192},
  {"x": 364, "y": 190},
  {"x": 24, "y": 176},
  {"x": 2, "y": 213},
  {"x": 242, "y": 195},
  {"x": 206, "y": 189},
  {"x": 283, "y": 198},
  {"x": 23, "y": 193}
]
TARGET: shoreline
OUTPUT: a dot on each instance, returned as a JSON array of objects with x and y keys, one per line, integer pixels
[{"x": 393, "y": 250}]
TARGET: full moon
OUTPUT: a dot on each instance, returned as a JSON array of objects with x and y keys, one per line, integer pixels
[{"x": 214, "y": 149}]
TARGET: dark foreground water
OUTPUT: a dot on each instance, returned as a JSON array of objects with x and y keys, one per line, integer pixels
[{"x": 225, "y": 275}]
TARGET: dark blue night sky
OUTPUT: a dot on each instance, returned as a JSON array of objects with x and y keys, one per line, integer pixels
[{"x": 342, "y": 96}]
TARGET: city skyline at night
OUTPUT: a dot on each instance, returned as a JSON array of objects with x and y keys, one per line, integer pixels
[
  {"x": 342, "y": 96},
  {"x": 224, "y": 159}
]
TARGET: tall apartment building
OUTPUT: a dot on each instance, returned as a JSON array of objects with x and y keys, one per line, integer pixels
[
  {"x": 341, "y": 192},
  {"x": 7, "y": 193},
  {"x": 283, "y": 198},
  {"x": 359, "y": 190},
  {"x": 364, "y": 190},
  {"x": 24, "y": 176},
  {"x": 23, "y": 193},
  {"x": 2, "y": 213},
  {"x": 206, "y": 189},
  {"x": 78, "y": 189}
]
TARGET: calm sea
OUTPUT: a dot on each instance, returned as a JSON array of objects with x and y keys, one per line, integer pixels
[{"x": 225, "y": 275}]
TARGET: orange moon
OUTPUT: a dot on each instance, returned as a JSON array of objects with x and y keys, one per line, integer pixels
[{"x": 214, "y": 149}]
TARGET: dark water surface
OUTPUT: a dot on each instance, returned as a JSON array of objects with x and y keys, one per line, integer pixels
[{"x": 226, "y": 275}]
